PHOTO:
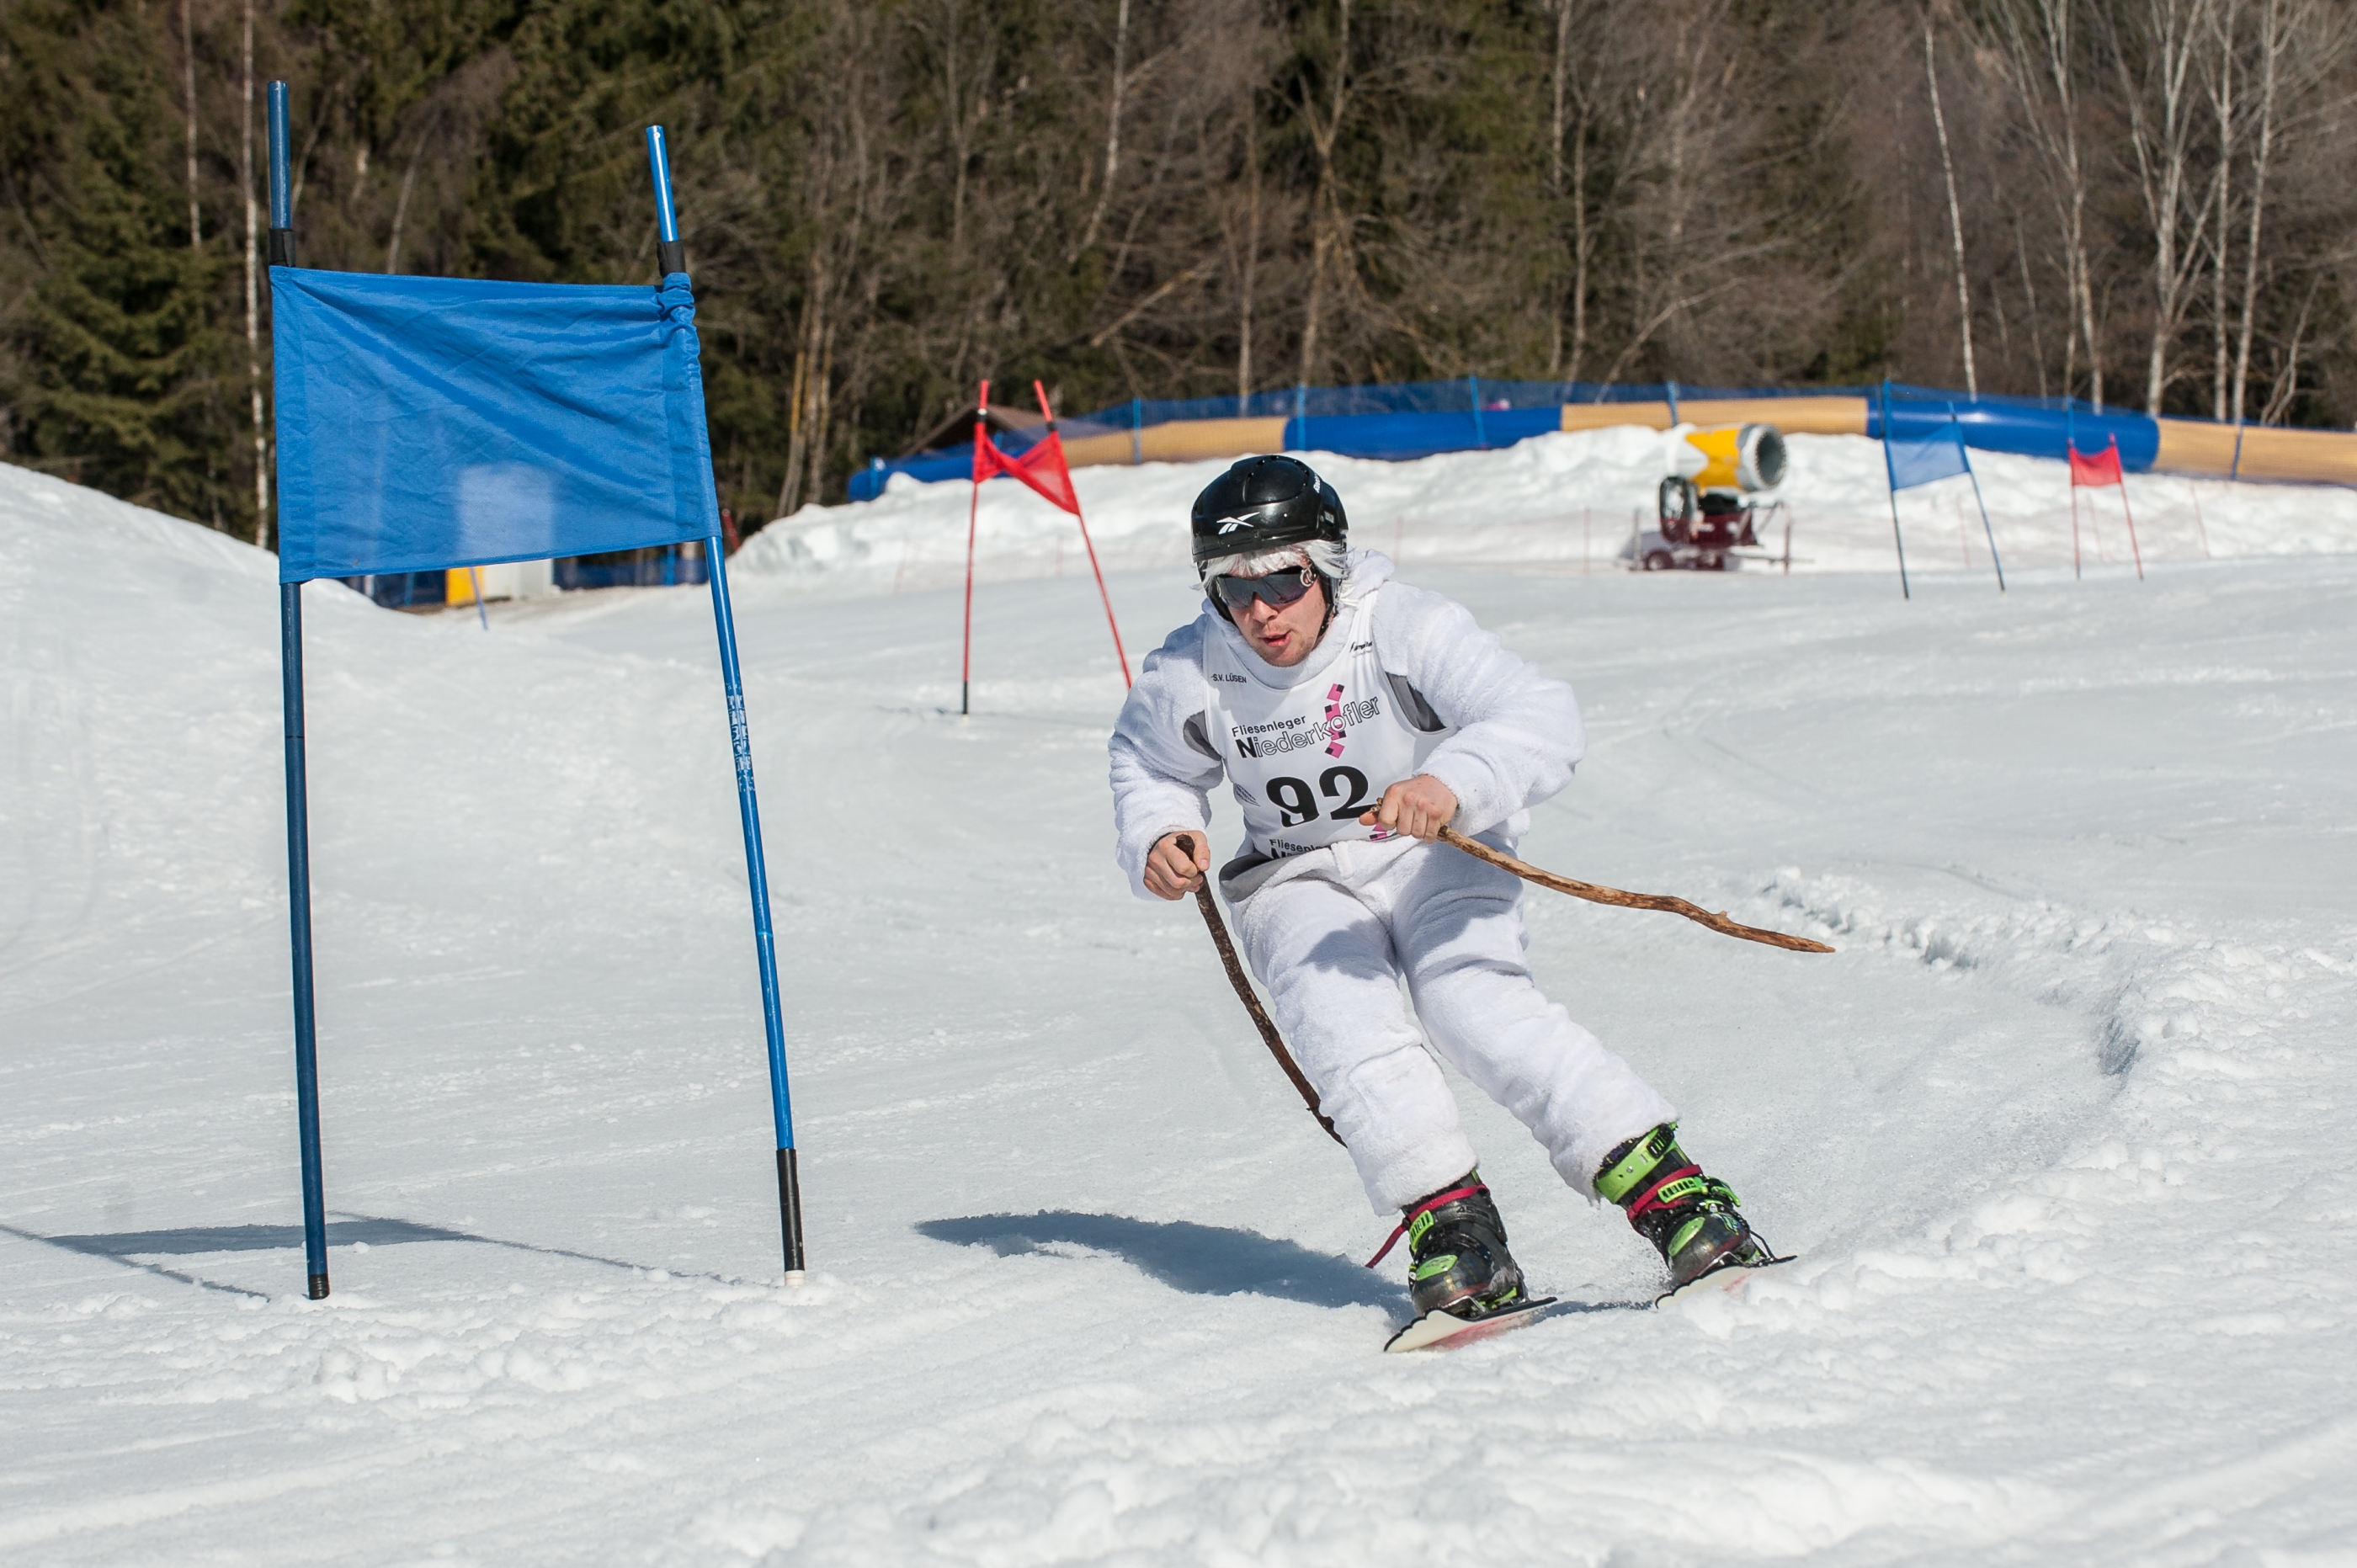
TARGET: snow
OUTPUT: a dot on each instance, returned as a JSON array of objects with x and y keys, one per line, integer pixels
[
  {"x": 2059, "y": 1134},
  {"x": 1565, "y": 500}
]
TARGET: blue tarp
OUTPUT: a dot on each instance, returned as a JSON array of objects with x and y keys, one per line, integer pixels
[
  {"x": 428, "y": 422},
  {"x": 1924, "y": 445}
]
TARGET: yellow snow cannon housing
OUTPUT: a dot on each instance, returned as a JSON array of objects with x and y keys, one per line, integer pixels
[{"x": 1741, "y": 457}]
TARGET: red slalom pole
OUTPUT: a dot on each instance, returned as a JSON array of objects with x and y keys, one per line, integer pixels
[
  {"x": 2121, "y": 468},
  {"x": 2075, "y": 572},
  {"x": 1107, "y": 598},
  {"x": 973, "y": 505},
  {"x": 1117, "y": 652}
]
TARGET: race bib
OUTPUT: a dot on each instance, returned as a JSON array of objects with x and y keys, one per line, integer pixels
[{"x": 1304, "y": 761}]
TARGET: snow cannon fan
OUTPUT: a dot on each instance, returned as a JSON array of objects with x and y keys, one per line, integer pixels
[{"x": 1706, "y": 509}]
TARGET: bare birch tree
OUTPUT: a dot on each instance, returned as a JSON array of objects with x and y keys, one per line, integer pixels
[
  {"x": 1955, "y": 214},
  {"x": 966, "y": 65},
  {"x": 2271, "y": 40},
  {"x": 2153, "y": 47},
  {"x": 401, "y": 206},
  {"x": 188, "y": 66},
  {"x": 2225, "y": 38},
  {"x": 1327, "y": 224},
  {"x": 2037, "y": 42},
  {"x": 2297, "y": 49},
  {"x": 252, "y": 301},
  {"x": 1113, "y": 128},
  {"x": 1579, "y": 90},
  {"x": 1248, "y": 264}
]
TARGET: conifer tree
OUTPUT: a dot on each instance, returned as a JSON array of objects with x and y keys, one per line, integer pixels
[{"x": 118, "y": 376}]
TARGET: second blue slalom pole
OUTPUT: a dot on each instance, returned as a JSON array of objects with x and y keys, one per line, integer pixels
[{"x": 671, "y": 256}]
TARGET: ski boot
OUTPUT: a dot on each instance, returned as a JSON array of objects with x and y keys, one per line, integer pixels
[
  {"x": 1457, "y": 1250},
  {"x": 1688, "y": 1215}
]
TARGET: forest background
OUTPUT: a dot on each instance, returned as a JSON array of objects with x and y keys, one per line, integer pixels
[{"x": 2145, "y": 203}]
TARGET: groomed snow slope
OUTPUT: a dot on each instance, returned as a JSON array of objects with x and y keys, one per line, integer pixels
[
  {"x": 1566, "y": 501},
  {"x": 2060, "y": 1134}
]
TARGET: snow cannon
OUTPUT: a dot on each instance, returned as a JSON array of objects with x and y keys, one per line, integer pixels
[
  {"x": 1739, "y": 457},
  {"x": 1707, "y": 510}
]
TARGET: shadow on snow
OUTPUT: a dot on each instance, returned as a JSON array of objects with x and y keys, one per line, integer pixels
[
  {"x": 198, "y": 1239},
  {"x": 133, "y": 1248},
  {"x": 1200, "y": 1260}
]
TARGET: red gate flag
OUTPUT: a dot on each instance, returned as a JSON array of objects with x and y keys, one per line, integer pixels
[
  {"x": 2094, "y": 473},
  {"x": 1042, "y": 467},
  {"x": 2103, "y": 469}
]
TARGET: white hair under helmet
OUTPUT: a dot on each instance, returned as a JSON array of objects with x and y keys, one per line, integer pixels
[{"x": 1323, "y": 556}]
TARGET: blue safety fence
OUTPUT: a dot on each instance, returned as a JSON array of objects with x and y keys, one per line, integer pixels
[
  {"x": 2031, "y": 427},
  {"x": 666, "y": 569},
  {"x": 673, "y": 568},
  {"x": 1418, "y": 419},
  {"x": 403, "y": 590},
  {"x": 1408, "y": 418}
]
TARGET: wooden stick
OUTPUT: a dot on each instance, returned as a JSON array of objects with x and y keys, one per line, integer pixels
[
  {"x": 1227, "y": 960},
  {"x": 1595, "y": 894}
]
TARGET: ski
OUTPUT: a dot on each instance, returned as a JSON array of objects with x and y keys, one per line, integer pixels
[
  {"x": 1728, "y": 1279},
  {"x": 1448, "y": 1330}
]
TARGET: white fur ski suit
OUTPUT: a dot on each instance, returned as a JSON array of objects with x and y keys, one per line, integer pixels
[{"x": 1332, "y": 928}]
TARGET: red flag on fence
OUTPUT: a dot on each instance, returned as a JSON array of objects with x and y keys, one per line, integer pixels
[
  {"x": 1042, "y": 467},
  {"x": 2103, "y": 469}
]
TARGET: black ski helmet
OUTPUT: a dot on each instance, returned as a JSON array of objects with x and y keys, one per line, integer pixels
[{"x": 1265, "y": 503}]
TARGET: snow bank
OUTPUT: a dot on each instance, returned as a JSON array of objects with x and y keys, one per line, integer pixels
[
  {"x": 2056, "y": 1134},
  {"x": 1565, "y": 501}
]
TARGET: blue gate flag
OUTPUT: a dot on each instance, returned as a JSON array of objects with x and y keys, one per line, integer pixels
[
  {"x": 427, "y": 422},
  {"x": 1923, "y": 446}
]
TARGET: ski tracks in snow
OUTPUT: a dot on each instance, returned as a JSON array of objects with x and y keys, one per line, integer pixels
[{"x": 2059, "y": 1134}]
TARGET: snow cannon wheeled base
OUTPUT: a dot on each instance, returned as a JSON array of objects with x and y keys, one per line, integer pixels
[{"x": 1707, "y": 510}]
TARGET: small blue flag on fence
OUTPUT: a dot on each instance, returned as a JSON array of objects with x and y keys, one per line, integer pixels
[
  {"x": 1918, "y": 447},
  {"x": 432, "y": 422},
  {"x": 1924, "y": 445}
]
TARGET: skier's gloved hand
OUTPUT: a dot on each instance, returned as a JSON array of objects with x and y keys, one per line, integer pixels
[
  {"x": 1173, "y": 873},
  {"x": 1419, "y": 807}
]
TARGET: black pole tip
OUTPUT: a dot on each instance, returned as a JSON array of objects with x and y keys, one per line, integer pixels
[
  {"x": 319, "y": 1287},
  {"x": 789, "y": 1213}
]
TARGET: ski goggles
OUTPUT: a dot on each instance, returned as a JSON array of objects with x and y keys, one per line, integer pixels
[{"x": 1277, "y": 590}]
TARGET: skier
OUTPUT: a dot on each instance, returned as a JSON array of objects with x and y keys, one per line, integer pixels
[{"x": 1353, "y": 717}]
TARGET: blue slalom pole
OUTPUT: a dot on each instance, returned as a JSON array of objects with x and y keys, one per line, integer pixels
[
  {"x": 299, "y": 924},
  {"x": 670, "y": 256},
  {"x": 764, "y": 946},
  {"x": 282, "y": 187},
  {"x": 1965, "y": 452},
  {"x": 1891, "y": 470},
  {"x": 298, "y": 807}
]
